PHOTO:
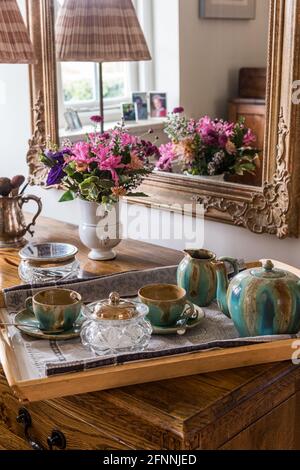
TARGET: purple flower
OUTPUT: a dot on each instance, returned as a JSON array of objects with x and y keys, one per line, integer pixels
[
  {"x": 57, "y": 156},
  {"x": 178, "y": 110},
  {"x": 55, "y": 175},
  {"x": 57, "y": 159},
  {"x": 96, "y": 119}
]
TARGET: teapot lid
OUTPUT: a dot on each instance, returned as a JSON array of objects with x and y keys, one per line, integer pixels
[
  {"x": 114, "y": 308},
  {"x": 268, "y": 271}
]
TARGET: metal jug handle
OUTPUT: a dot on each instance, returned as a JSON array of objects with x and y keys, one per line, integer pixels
[
  {"x": 234, "y": 263},
  {"x": 25, "y": 200}
]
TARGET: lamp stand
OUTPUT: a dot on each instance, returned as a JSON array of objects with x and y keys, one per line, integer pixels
[{"x": 101, "y": 99}]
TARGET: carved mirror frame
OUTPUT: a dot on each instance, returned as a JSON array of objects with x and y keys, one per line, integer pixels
[{"x": 272, "y": 208}]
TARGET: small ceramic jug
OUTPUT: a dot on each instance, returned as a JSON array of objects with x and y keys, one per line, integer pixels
[
  {"x": 197, "y": 275},
  {"x": 12, "y": 222}
]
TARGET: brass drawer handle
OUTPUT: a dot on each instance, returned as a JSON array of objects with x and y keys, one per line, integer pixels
[
  {"x": 24, "y": 418},
  {"x": 57, "y": 439}
]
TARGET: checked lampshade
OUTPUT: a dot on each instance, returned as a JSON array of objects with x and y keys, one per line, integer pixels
[
  {"x": 15, "y": 44},
  {"x": 100, "y": 31}
]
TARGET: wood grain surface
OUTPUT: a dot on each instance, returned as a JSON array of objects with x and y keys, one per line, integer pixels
[{"x": 132, "y": 255}]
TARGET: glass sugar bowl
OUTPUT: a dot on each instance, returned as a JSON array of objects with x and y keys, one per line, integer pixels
[
  {"x": 45, "y": 262},
  {"x": 117, "y": 326}
]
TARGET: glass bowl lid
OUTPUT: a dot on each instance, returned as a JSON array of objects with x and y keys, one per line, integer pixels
[
  {"x": 116, "y": 309},
  {"x": 48, "y": 252}
]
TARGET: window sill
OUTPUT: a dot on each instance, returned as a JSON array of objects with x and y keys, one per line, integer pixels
[{"x": 137, "y": 127}]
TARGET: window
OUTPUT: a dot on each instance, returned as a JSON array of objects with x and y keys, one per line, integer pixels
[{"x": 78, "y": 82}]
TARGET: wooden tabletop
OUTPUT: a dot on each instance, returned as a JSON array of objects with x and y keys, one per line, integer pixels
[{"x": 131, "y": 254}]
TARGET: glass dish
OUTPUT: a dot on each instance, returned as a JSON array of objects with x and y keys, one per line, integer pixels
[
  {"x": 116, "y": 326},
  {"x": 44, "y": 262},
  {"x": 34, "y": 274}
]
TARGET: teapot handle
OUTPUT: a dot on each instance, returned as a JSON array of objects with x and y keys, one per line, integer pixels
[
  {"x": 36, "y": 199},
  {"x": 233, "y": 262}
]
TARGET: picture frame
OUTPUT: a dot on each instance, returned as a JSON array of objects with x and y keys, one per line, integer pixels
[
  {"x": 72, "y": 120},
  {"x": 128, "y": 112},
  {"x": 228, "y": 9},
  {"x": 158, "y": 104},
  {"x": 140, "y": 99}
]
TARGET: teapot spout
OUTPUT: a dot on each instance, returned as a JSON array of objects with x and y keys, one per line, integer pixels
[{"x": 222, "y": 286}]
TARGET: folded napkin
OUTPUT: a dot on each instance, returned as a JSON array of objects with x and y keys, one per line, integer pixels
[{"x": 95, "y": 288}]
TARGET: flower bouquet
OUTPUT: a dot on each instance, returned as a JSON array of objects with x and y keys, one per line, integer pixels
[
  {"x": 101, "y": 168},
  {"x": 207, "y": 147},
  {"x": 98, "y": 171}
]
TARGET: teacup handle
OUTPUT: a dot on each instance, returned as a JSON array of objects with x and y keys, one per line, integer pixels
[
  {"x": 75, "y": 296},
  {"x": 189, "y": 309},
  {"x": 28, "y": 304}
]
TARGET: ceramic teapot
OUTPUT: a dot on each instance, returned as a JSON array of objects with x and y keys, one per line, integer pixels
[{"x": 261, "y": 301}]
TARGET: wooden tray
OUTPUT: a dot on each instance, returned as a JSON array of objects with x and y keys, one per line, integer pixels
[{"x": 137, "y": 372}]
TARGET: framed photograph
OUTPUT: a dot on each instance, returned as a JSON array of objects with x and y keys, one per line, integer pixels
[
  {"x": 141, "y": 105},
  {"x": 228, "y": 9},
  {"x": 73, "y": 120},
  {"x": 158, "y": 104},
  {"x": 128, "y": 112},
  {"x": 76, "y": 119}
]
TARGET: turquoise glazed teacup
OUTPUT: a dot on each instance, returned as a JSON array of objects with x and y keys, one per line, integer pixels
[
  {"x": 167, "y": 303},
  {"x": 55, "y": 309}
]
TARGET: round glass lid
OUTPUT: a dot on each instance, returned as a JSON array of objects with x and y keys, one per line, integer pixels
[{"x": 48, "y": 252}]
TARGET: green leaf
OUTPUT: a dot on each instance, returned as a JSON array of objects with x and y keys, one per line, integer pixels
[{"x": 67, "y": 196}]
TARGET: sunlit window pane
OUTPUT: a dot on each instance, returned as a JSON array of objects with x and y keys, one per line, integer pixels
[
  {"x": 115, "y": 83},
  {"x": 79, "y": 82}
]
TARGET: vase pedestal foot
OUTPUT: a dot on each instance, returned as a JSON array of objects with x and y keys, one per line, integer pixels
[{"x": 100, "y": 255}]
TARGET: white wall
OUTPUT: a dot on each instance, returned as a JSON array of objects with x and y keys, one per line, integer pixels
[
  {"x": 15, "y": 131},
  {"x": 211, "y": 53},
  {"x": 14, "y": 118},
  {"x": 166, "y": 49}
]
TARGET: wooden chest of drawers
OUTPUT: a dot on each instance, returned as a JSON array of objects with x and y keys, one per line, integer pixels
[{"x": 249, "y": 408}]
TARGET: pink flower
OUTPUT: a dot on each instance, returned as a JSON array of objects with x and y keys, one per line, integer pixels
[
  {"x": 178, "y": 110},
  {"x": 168, "y": 154},
  {"x": 127, "y": 140},
  {"x": 111, "y": 164},
  {"x": 249, "y": 138},
  {"x": 96, "y": 119},
  {"x": 81, "y": 150},
  {"x": 191, "y": 126},
  {"x": 101, "y": 152},
  {"x": 215, "y": 132}
]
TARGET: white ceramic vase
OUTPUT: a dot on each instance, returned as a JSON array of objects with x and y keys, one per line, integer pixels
[
  {"x": 100, "y": 229},
  {"x": 215, "y": 177}
]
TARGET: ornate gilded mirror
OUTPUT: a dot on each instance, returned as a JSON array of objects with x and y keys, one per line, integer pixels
[{"x": 263, "y": 202}]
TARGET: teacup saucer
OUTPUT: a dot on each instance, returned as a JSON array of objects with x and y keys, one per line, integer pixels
[
  {"x": 173, "y": 330},
  {"x": 25, "y": 319}
]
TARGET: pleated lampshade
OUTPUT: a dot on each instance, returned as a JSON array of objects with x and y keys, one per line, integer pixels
[
  {"x": 100, "y": 31},
  {"x": 15, "y": 44}
]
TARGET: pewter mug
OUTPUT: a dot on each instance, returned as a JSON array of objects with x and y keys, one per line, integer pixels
[{"x": 12, "y": 222}]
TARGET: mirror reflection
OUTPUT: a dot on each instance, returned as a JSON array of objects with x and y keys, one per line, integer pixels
[{"x": 210, "y": 126}]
